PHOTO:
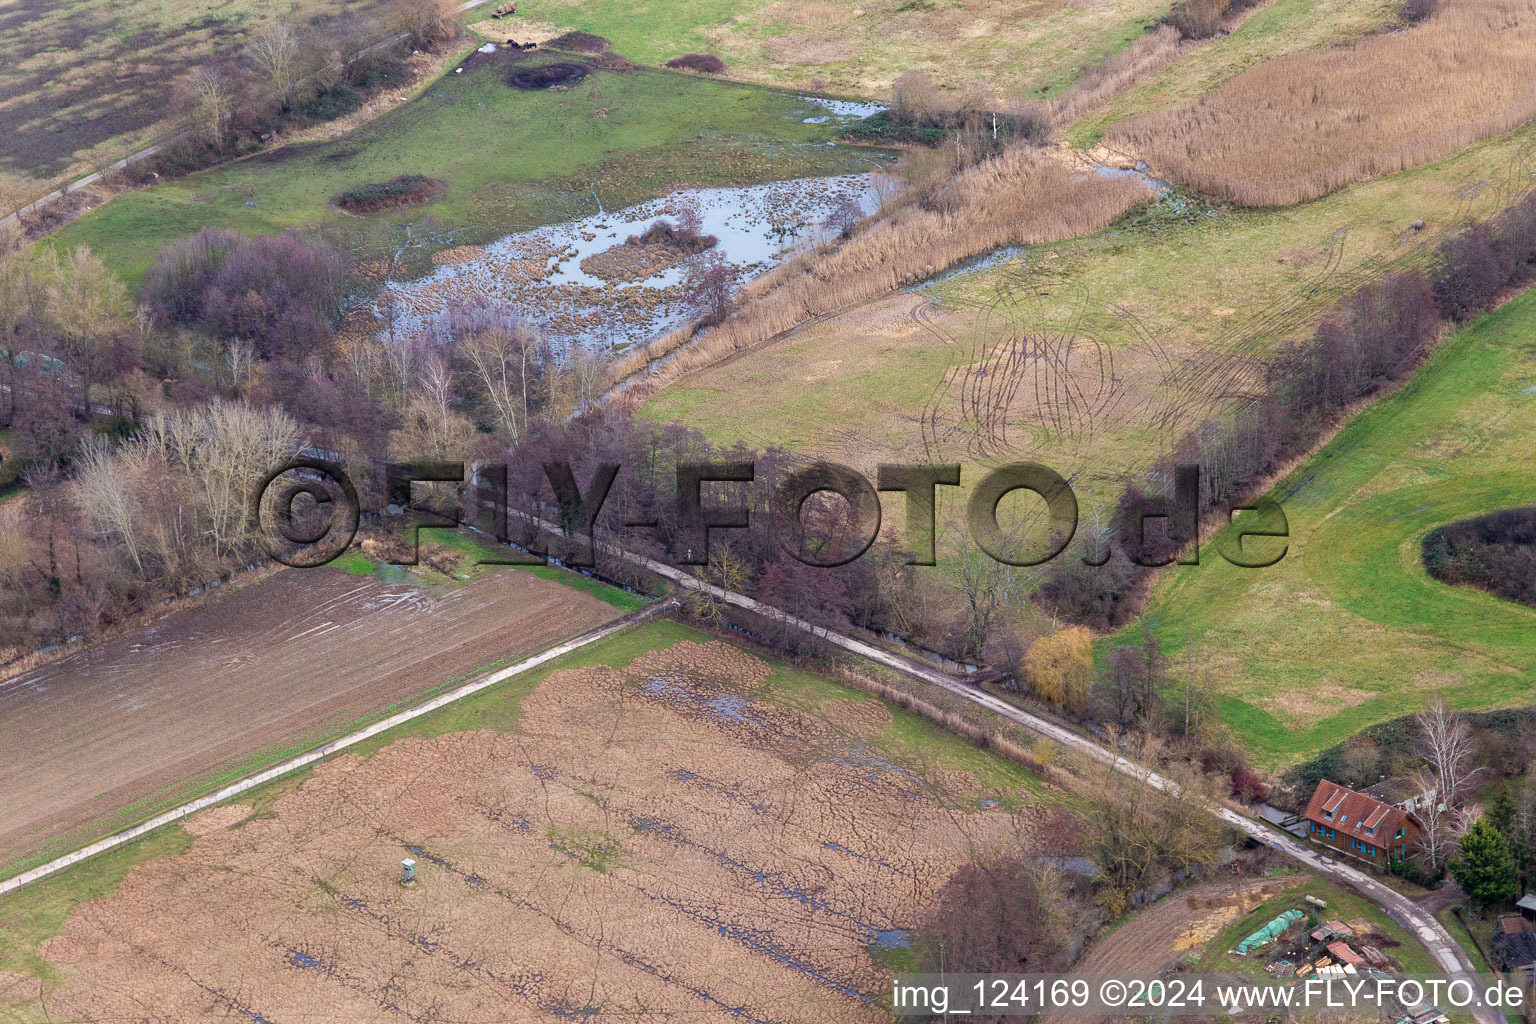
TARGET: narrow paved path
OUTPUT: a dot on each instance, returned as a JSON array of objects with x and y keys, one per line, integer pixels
[{"x": 319, "y": 753}]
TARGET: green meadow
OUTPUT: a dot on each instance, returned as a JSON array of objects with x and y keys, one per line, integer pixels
[
  {"x": 1348, "y": 629},
  {"x": 511, "y": 159}
]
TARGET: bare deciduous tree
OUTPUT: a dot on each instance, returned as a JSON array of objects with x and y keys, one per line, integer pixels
[
  {"x": 273, "y": 54},
  {"x": 211, "y": 95},
  {"x": 1436, "y": 836},
  {"x": 1446, "y": 743},
  {"x": 105, "y": 495}
]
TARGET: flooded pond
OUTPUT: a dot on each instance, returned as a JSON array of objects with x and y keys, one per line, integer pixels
[
  {"x": 842, "y": 112},
  {"x": 546, "y": 275}
]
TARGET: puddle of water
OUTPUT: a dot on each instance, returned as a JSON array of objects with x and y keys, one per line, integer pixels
[
  {"x": 843, "y": 111},
  {"x": 538, "y": 273},
  {"x": 723, "y": 706},
  {"x": 893, "y": 938},
  {"x": 1137, "y": 173},
  {"x": 873, "y": 761}
]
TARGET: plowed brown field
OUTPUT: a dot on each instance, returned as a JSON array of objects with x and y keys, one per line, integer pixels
[{"x": 90, "y": 743}]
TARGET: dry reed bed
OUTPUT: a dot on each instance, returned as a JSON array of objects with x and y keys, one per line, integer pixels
[
  {"x": 1023, "y": 197},
  {"x": 1300, "y": 127},
  {"x": 1149, "y": 54}
]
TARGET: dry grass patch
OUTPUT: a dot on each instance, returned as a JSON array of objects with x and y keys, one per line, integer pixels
[
  {"x": 1304, "y": 125},
  {"x": 807, "y": 48},
  {"x": 1319, "y": 703}
]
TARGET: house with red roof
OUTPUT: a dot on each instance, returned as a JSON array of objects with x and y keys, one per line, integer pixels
[{"x": 1359, "y": 826}]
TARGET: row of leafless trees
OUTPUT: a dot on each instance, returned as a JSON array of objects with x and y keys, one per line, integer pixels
[
  {"x": 231, "y": 103},
  {"x": 1373, "y": 337}
]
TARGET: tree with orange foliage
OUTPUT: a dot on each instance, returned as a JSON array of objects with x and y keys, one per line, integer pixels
[{"x": 1060, "y": 667}]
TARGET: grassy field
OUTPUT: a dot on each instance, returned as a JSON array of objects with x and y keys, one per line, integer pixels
[
  {"x": 86, "y": 83},
  {"x": 470, "y": 549},
  {"x": 896, "y": 378},
  {"x": 1345, "y": 906},
  {"x": 1348, "y": 629},
  {"x": 904, "y": 743},
  {"x": 858, "y": 47},
  {"x": 511, "y": 159}
]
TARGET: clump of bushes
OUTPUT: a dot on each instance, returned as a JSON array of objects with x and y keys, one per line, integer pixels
[
  {"x": 1201, "y": 19},
  {"x": 282, "y": 295},
  {"x": 405, "y": 190},
  {"x": 1476, "y": 264},
  {"x": 703, "y": 62},
  {"x": 920, "y": 115},
  {"x": 1198, "y": 19},
  {"x": 684, "y": 236},
  {"x": 579, "y": 42},
  {"x": 1414, "y": 11},
  {"x": 1495, "y": 552}
]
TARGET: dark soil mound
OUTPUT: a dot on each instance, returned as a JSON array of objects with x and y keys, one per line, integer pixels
[
  {"x": 579, "y": 42},
  {"x": 1495, "y": 552},
  {"x": 406, "y": 190},
  {"x": 544, "y": 76},
  {"x": 704, "y": 62},
  {"x": 613, "y": 62}
]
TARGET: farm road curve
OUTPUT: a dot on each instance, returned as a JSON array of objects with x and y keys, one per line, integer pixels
[{"x": 1445, "y": 950}]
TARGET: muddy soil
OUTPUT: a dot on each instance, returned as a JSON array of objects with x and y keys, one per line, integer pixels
[
  {"x": 547, "y": 76},
  {"x": 262, "y": 667}
]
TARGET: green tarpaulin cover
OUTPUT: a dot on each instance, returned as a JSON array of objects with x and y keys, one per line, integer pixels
[{"x": 1269, "y": 932}]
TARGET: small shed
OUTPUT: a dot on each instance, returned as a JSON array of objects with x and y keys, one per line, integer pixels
[
  {"x": 1527, "y": 905},
  {"x": 1329, "y": 930},
  {"x": 1344, "y": 955},
  {"x": 1517, "y": 950}
]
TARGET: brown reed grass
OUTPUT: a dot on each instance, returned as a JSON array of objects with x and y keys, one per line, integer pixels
[
  {"x": 1151, "y": 53},
  {"x": 1301, "y": 126},
  {"x": 1020, "y": 198}
]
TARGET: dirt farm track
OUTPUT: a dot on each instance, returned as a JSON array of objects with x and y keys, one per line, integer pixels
[{"x": 130, "y": 722}]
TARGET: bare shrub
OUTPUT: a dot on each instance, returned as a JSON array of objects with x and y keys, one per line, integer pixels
[
  {"x": 1198, "y": 19},
  {"x": 579, "y": 42},
  {"x": 429, "y": 23},
  {"x": 914, "y": 99},
  {"x": 703, "y": 62},
  {"x": 1301, "y": 126}
]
